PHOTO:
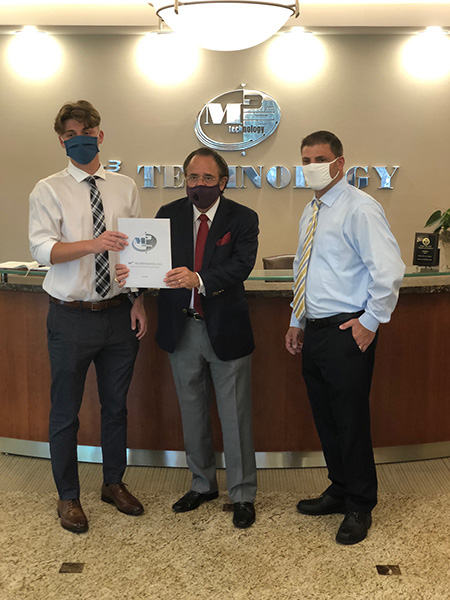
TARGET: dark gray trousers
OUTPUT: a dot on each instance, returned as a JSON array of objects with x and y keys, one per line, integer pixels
[{"x": 77, "y": 338}]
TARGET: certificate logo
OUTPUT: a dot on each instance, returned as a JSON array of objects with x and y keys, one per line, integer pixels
[
  {"x": 237, "y": 120},
  {"x": 144, "y": 243}
]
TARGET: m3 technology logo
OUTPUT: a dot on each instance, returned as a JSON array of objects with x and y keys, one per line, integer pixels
[
  {"x": 237, "y": 120},
  {"x": 144, "y": 243}
]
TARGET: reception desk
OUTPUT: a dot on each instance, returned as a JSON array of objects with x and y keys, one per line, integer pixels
[{"x": 410, "y": 397}]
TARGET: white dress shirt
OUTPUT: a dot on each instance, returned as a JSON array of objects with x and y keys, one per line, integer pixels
[
  {"x": 60, "y": 211},
  {"x": 355, "y": 260}
]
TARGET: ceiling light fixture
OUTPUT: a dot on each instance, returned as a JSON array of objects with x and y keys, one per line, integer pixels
[
  {"x": 158, "y": 56},
  {"x": 296, "y": 55},
  {"x": 34, "y": 54},
  {"x": 226, "y": 24},
  {"x": 426, "y": 56}
]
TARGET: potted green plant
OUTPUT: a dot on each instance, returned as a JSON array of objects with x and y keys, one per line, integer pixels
[{"x": 442, "y": 221}]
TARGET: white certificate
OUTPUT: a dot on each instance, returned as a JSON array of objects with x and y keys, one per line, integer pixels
[{"x": 148, "y": 254}]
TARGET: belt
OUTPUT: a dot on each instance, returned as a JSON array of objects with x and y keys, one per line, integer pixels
[
  {"x": 93, "y": 306},
  {"x": 333, "y": 320},
  {"x": 194, "y": 314}
]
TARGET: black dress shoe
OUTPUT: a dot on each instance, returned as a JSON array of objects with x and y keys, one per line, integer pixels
[
  {"x": 325, "y": 505},
  {"x": 192, "y": 500},
  {"x": 244, "y": 514},
  {"x": 354, "y": 528}
]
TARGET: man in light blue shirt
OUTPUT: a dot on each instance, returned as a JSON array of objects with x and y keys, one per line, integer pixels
[{"x": 353, "y": 276}]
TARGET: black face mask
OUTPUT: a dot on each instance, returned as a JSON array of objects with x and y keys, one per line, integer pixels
[{"x": 203, "y": 196}]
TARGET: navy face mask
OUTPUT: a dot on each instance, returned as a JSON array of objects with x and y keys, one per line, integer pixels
[
  {"x": 202, "y": 196},
  {"x": 82, "y": 148}
]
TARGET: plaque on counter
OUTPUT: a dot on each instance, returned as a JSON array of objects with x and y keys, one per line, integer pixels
[{"x": 426, "y": 251}]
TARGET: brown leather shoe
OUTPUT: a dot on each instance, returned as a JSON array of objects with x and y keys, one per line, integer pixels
[
  {"x": 118, "y": 494},
  {"x": 72, "y": 516}
]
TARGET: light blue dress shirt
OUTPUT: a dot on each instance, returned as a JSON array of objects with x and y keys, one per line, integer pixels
[{"x": 355, "y": 261}]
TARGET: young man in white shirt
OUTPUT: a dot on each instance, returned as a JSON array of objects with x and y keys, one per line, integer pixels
[{"x": 73, "y": 230}]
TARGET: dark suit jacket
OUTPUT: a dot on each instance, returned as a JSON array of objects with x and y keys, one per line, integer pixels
[{"x": 229, "y": 257}]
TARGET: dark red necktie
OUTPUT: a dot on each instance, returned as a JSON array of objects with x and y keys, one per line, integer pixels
[{"x": 202, "y": 234}]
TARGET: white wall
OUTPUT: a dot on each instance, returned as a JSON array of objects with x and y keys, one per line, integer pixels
[{"x": 382, "y": 115}]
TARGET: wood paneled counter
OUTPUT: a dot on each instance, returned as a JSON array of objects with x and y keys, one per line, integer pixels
[{"x": 410, "y": 397}]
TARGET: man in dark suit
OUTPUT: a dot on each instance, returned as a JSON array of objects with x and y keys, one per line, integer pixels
[{"x": 204, "y": 324}]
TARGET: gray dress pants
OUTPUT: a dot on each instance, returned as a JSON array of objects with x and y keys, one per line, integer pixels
[{"x": 194, "y": 365}]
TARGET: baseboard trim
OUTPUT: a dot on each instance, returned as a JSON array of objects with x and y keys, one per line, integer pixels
[{"x": 264, "y": 460}]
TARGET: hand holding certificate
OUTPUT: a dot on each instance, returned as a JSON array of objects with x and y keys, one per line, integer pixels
[{"x": 148, "y": 254}]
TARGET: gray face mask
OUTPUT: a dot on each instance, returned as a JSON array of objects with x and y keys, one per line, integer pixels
[{"x": 317, "y": 175}]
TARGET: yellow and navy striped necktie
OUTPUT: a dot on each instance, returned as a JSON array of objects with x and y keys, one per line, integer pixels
[{"x": 300, "y": 279}]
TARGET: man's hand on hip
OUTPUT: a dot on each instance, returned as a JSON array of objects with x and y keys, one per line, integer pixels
[{"x": 362, "y": 336}]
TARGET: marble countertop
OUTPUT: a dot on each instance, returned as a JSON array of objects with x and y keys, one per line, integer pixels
[{"x": 417, "y": 284}]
